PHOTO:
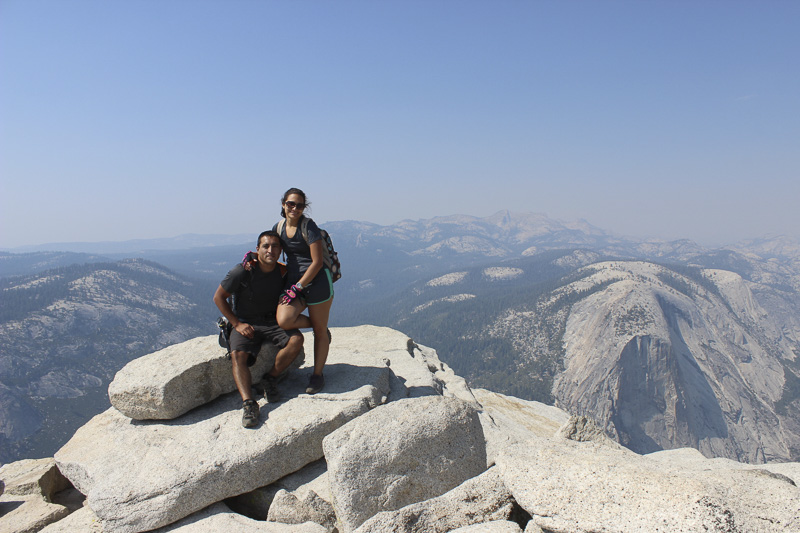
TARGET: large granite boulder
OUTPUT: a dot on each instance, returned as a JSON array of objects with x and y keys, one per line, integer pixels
[
  {"x": 33, "y": 476},
  {"x": 23, "y": 514},
  {"x": 495, "y": 526},
  {"x": 297, "y": 498},
  {"x": 170, "y": 382},
  {"x": 478, "y": 500},
  {"x": 82, "y": 520},
  {"x": 693, "y": 458},
  {"x": 417, "y": 368},
  {"x": 287, "y": 508},
  {"x": 258, "y": 503},
  {"x": 405, "y": 442},
  {"x": 141, "y": 475},
  {"x": 219, "y": 519},
  {"x": 402, "y": 453},
  {"x": 589, "y": 486},
  {"x": 508, "y": 420},
  {"x": 216, "y": 518},
  {"x": 35, "y": 495}
]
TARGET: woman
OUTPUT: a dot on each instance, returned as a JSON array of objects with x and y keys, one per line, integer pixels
[{"x": 310, "y": 283}]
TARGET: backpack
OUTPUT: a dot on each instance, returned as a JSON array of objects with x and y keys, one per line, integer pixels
[
  {"x": 225, "y": 328},
  {"x": 329, "y": 256}
]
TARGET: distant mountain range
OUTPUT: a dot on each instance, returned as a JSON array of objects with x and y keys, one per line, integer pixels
[
  {"x": 135, "y": 246},
  {"x": 651, "y": 338}
]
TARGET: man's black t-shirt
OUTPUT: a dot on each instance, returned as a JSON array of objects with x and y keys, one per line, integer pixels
[{"x": 255, "y": 293}]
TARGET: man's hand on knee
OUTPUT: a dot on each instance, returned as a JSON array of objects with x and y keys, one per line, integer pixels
[{"x": 245, "y": 330}]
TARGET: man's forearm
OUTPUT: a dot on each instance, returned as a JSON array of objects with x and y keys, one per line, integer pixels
[{"x": 221, "y": 299}]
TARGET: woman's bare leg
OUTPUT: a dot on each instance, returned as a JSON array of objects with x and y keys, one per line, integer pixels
[
  {"x": 318, "y": 315},
  {"x": 289, "y": 316}
]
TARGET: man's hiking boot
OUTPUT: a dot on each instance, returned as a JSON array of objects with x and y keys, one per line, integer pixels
[
  {"x": 250, "y": 415},
  {"x": 315, "y": 384},
  {"x": 271, "y": 392}
]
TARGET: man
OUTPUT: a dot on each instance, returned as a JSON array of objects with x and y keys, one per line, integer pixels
[{"x": 256, "y": 293}]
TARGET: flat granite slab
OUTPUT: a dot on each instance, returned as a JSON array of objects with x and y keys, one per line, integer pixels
[
  {"x": 170, "y": 382},
  {"x": 140, "y": 475}
]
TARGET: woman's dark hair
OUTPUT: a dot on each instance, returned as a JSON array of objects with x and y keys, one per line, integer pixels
[{"x": 294, "y": 190}]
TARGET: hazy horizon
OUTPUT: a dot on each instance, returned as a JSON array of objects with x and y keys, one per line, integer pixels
[
  {"x": 246, "y": 237},
  {"x": 139, "y": 120}
]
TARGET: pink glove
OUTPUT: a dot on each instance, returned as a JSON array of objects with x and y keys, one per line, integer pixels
[
  {"x": 290, "y": 294},
  {"x": 249, "y": 259}
]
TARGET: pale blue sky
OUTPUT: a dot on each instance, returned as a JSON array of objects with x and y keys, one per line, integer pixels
[{"x": 154, "y": 118}]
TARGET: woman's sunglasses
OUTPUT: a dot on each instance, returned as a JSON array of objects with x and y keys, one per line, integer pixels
[{"x": 294, "y": 205}]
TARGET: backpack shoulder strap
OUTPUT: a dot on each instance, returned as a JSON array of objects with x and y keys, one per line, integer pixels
[{"x": 304, "y": 228}]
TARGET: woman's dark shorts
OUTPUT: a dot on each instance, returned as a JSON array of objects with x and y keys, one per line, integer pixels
[
  {"x": 271, "y": 332},
  {"x": 321, "y": 289}
]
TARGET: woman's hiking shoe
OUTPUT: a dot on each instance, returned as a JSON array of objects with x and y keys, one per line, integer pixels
[
  {"x": 315, "y": 384},
  {"x": 250, "y": 415},
  {"x": 271, "y": 392}
]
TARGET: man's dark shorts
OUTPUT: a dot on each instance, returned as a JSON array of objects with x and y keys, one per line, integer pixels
[{"x": 271, "y": 332}]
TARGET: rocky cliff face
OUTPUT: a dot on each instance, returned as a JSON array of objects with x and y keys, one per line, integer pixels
[
  {"x": 666, "y": 362},
  {"x": 395, "y": 442},
  {"x": 661, "y": 356}
]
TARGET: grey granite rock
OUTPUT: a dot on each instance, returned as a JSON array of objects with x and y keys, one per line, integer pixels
[
  {"x": 30, "y": 500},
  {"x": 289, "y": 509},
  {"x": 589, "y": 486},
  {"x": 33, "y": 477},
  {"x": 418, "y": 370},
  {"x": 27, "y": 514},
  {"x": 256, "y": 504},
  {"x": 142, "y": 475},
  {"x": 483, "y": 498},
  {"x": 216, "y": 518},
  {"x": 531, "y": 527},
  {"x": 81, "y": 521},
  {"x": 693, "y": 459},
  {"x": 496, "y": 526},
  {"x": 402, "y": 453},
  {"x": 507, "y": 420},
  {"x": 219, "y": 519},
  {"x": 168, "y": 383},
  {"x": 584, "y": 429}
]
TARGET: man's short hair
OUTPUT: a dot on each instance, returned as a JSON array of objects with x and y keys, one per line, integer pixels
[{"x": 268, "y": 233}]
